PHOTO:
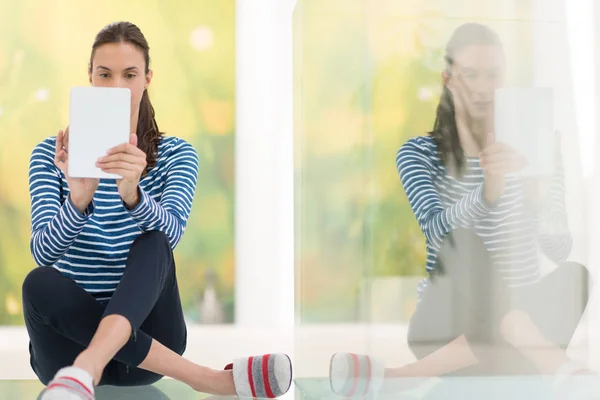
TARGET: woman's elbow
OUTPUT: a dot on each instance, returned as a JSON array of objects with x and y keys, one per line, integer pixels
[{"x": 38, "y": 257}]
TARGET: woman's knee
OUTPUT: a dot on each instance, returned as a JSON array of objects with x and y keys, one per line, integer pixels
[
  {"x": 579, "y": 272},
  {"x": 113, "y": 382},
  {"x": 419, "y": 336},
  {"x": 461, "y": 251},
  {"x": 152, "y": 238},
  {"x": 152, "y": 246},
  {"x": 416, "y": 347},
  {"x": 37, "y": 282},
  {"x": 571, "y": 276}
]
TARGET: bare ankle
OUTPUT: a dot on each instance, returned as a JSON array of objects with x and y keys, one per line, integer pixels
[
  {"x": 86, "y": 362},
  {"x": 214, "y": 382},
  {"x": 519, "y": 330},
  {"x": 411, "y": 370}
]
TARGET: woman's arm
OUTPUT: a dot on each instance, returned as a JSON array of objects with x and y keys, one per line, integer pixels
[
  {"x": 170, "y": 215},
  {"x": 550, "y": 213},
  {"x": 55, "y": 224},
  {"x": 415, "y": 170}
]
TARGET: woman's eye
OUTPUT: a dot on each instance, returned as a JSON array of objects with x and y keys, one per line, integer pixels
[
  {"x": 103, "y": 75},
  {"x": 130, "y": 76}
]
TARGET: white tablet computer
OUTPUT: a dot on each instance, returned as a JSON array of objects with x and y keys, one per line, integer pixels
[
  {"x": 99, "y": 120},
  {"x": 524, "y": 119}
]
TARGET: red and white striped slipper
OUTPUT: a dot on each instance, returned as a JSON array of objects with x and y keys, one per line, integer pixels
[
  {"x": 70, "y": 383},
  {"x": 355, "y": 375},
  {"x": 267, "y": 376}
]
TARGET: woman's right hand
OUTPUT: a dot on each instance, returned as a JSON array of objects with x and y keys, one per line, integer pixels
[
  {"x": 81, "y": 189},
  {"x": 497, "y": 160}
]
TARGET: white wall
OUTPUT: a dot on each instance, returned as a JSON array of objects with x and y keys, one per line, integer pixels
[
  {"x": 264, "y": 165},
  {"x": 580, "y": 34}
]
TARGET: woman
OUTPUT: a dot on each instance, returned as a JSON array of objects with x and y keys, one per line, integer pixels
[
  {"x": 485, "y": 306},
  {"x": 483, "y": 231},
  {"x": 103, "y": 306}
]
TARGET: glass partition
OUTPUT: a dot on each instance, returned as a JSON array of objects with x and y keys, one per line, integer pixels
[{"x": 440, "y": 197}]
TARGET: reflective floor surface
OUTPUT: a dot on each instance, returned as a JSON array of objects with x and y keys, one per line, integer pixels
[
  {"x": 162, "y": 390},
  {"x": 465, "y": 388}
]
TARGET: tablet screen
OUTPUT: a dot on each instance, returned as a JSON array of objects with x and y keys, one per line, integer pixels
[
  {"x": 524, "y": 119},
  {"x": 99, "y": 120}
]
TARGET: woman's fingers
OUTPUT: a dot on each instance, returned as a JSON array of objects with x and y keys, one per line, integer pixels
[
  {"x": 506, "y": 165},
  {"x": 59, "y": 153},
  {"x": 458, "y": 90},
  {"x": 59, "y": 141},
  {"x": 121, "y": 165},
  {"x": 127, "y": 148},
  {"x": 124, "y": 173},
  {"x": 500, "y": 159},
  {"x": 497, "y": 147},
  {"x": 126, "y": 157},
  {"x": 66, "y": 139},
  {"x": 60, "y": 160}
]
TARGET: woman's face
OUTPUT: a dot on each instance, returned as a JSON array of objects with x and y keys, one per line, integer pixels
[
  {"x": 481, "y": 71},
  {"x": 121, "y": 65}
]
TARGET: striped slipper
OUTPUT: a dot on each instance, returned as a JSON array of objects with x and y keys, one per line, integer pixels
[
  {"x": 569, "y": 382},
  {"x": 267, "y": 376},
  {"x": 355, "y": 375},
  {"x": 70, "y": 383}
]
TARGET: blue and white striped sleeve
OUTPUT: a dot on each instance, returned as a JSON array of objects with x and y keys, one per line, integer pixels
[
  {"x": 416, "y": 174},
  {"x": 54, "y": 224},
  {"x": 553, "y": 233},
  {"x": 171, "y": 214}
]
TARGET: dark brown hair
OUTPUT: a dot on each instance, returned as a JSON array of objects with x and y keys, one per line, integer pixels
[
  {"x": 445, "y": 131},
  {"x": 147, "y": 129}
]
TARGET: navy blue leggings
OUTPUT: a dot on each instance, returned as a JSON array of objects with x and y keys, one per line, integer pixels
[
  {"x": 61, "y": 318},
  {"x": 470, "y": 298}
]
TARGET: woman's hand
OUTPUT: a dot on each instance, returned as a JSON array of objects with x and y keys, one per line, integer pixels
[
  {"x": 81, "y": 189},
  {"x": 459, "y": 93},
  {"x": 128, "y": 161},
  {"x": 498, "y": 160}
]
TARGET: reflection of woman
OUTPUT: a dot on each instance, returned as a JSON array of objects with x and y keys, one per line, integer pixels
[
  {"x": 485, "y": 301},
  {"x": 103, "y": 306}
]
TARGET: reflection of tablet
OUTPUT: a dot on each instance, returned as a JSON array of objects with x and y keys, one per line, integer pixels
[
  {"x": 99, "y": 120},
  {"x": 524, "y": 119}
]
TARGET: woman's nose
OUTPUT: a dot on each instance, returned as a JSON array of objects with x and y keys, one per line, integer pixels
[{"x": 118, "y": 83}]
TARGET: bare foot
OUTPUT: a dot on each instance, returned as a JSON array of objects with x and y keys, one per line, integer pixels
[
  {"x": 406, "y": 377},
  {"x": 220, "y": 383}
]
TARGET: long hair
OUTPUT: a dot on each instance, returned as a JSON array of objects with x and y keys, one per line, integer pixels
[
  {"x": 147, "y": 129},
  {"x": 445, "y": 130}
]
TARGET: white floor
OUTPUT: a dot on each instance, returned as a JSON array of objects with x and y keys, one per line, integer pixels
[{"x": 310, "y": 347}]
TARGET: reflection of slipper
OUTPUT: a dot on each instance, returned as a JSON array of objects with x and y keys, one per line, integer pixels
[
  {"x": 568, "y": 383},
  {"x": 266, "y": 376},
  {"x": 355, "y": 375}
]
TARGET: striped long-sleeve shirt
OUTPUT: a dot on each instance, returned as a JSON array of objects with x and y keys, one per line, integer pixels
[
  {"x": 92, "y": 247},
  {"x": 511, "y": 233}
]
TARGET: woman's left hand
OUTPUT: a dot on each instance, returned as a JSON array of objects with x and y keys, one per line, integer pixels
[{"x": 128, "y": 161}]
